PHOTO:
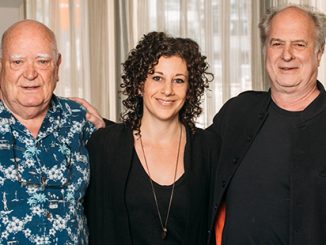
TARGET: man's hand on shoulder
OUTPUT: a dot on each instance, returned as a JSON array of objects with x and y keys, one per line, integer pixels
[{"x": 92, "y": 114}]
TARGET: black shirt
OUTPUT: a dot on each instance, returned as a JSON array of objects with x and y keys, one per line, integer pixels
[
  {"x": 145, "y": 225},
  {"x": 257, "y": 201}
]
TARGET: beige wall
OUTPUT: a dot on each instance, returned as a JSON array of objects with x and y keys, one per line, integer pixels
[{"x": 10, "y": 12}]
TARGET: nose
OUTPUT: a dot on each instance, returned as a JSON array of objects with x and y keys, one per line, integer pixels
[
  {"x": 167, "y": 88},
  {"x": 30, "y": 72},
  {"x": 287, "y": 53}
]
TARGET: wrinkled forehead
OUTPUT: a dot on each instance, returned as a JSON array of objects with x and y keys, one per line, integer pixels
[
  {"x": 293, "y": 17},
  {"x": 28, "y": 41}
]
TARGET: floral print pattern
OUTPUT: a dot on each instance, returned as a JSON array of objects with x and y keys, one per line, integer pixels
[{"x": 43, "y": 180}]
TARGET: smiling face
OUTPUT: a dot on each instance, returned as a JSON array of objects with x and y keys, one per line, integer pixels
[
  {"x": 291, "y": 57},
  {"x": 165, "y": 91},
  {"x": 29, "y": 69}
]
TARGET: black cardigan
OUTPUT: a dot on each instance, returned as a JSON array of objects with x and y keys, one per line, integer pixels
[
  {"x": 110, "y": 151},
  {"x": 238, "y": 123}
]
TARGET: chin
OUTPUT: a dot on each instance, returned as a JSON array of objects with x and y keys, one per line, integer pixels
[
  {"x": 287, "y": 82},
  {"x": 32, "y": 103}
]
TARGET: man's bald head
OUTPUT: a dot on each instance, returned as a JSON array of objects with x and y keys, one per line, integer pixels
[{"x": 28, "y": 27}]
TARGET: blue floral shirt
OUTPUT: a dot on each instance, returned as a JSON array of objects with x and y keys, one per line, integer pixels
[{"x": 43, "y": 180}]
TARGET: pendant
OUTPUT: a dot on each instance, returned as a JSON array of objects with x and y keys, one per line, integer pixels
[{"x": 164, "y": 233}]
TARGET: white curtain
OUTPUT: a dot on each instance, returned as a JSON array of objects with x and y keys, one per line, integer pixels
[
  {"x": 84, "y": 36},
  {"x": 95, "y": 36},
  {"x": 222, "y": 29},
  {"x": 103, "y": 60},
  {"x": 68, "y": 20}
]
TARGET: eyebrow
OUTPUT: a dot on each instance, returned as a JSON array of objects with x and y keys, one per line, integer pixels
[
  {"x": 15, "y": 56},
  {"x": 40, "y": 55},
  {"x": 178, "y": 74},
  {"x": 280, "y": 40}
]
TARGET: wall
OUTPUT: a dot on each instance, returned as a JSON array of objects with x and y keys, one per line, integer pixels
[{"x": 10, "y": 12}]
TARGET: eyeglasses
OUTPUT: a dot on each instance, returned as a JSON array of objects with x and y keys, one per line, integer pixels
[{"x": 58, "y": 174}]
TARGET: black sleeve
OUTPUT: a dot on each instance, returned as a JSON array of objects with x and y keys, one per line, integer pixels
[{"x": 93, "y": 203}]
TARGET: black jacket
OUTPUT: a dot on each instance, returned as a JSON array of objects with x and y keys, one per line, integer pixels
[
  {"x": 110, "y": 151},
  {"x": 238, "y": 123}
]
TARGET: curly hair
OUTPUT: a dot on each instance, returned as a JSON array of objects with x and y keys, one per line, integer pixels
[{"x": 141, "y": 62}]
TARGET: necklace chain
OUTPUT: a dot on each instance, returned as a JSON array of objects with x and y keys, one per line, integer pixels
[{"x": 163, "y": 226}]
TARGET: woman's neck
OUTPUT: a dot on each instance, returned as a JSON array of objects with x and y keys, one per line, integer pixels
[{"x": 160, "y": 132}]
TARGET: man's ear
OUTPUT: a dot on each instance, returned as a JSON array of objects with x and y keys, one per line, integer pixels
[
  {"x": 320, "y": 53},
  {"x": 58, "y": 63},
  {"x": 59, "y": 60}
]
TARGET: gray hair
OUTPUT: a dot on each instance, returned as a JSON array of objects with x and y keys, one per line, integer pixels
[{"x": 317, "y": 17}]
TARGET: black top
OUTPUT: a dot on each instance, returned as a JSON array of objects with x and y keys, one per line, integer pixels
[
  {"x": 145, "y": 225},
  {"x": 257, "y": 200},
  {"x": 108, "y": 204}
]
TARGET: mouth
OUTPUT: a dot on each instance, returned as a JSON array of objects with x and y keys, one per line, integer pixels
[
  {"x": 30, "y": 88},
  {"x": 283, "y": 68},
  {"x": 165, "y": 101}
]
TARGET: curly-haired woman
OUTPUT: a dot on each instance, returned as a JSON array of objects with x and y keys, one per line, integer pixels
[{"x": 150, "y": 175}]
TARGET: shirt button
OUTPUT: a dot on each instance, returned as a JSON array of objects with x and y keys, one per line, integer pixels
[
  {"x": 223, "y": 183},
  {"x": 235, "y": 160},
  {"x": 48, "y": 214},
  {"x": 43, "y": 180}
]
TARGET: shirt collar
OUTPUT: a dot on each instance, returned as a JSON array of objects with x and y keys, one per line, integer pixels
[
  {"x": 315, "y": 107},
  {"x": 53, "y": 119}
]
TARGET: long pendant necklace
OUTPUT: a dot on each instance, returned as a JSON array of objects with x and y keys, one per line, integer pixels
[{"x": 164, "y": 232}]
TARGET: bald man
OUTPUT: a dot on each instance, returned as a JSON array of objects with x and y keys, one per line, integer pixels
[{"x": 44, "y": 169}]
